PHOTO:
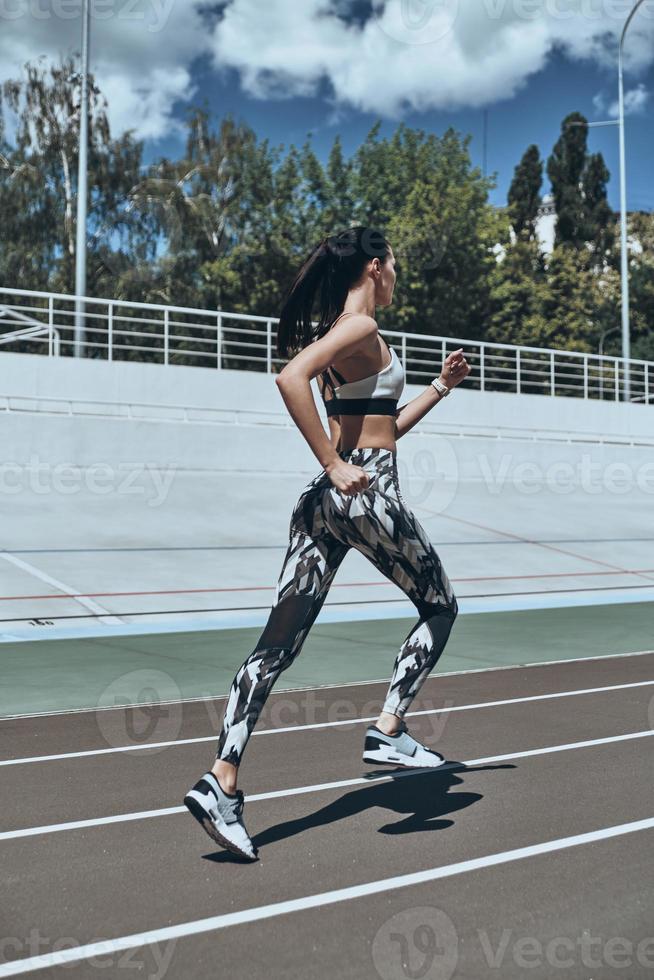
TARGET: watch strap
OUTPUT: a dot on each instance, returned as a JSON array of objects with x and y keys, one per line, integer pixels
[{"x": 442, "y": 389}]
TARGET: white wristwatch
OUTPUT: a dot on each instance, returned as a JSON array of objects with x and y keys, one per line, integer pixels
[{"x": 442, "y": 389}]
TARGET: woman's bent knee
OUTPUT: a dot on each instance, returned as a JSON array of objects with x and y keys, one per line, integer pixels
[{"x": 447, "y": 609}]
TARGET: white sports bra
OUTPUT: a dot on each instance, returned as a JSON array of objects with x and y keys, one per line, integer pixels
[{"x": 378, "y": 394}]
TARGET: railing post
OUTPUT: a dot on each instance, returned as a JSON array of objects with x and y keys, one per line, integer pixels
[
  {"x": 166, "y": 336},
  {"x": 269, "y": 346},
  {"x": 110, "y": 331},
  {"x": 50, "y": 326},
  {"x": 219, "y": 339},
  {"x": 616, "y": 379},
  {"x": 482, "y": 366},
  {"x": 404, "y": 363},
  {"x": 586, "y": 377},
  {"x": 517, "y": 371},
  {"x": 647, "y": 382},
  {"x": 552, "y": 381}
]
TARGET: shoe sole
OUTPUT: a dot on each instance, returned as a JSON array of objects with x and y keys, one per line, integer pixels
[
  {"x": 200, "y": 815},
  {"x": 384, "y": 759}
]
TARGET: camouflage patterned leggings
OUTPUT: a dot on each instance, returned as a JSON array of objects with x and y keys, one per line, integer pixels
[{"x": 324, "y": 525}]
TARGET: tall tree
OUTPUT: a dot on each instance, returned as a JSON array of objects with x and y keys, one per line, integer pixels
[
  {"x": 41, "y": 170},
  {"x": 422, "y": 190},
  {"x": 641, "y": 294},
  {"x": 571, "y": 304},
  {"x": 27, "y": 241},
  {"x": 339, "y": 206},
  {"x": 518, "y": 286},
  {"x": 579, "y": 186},
  {"x": 565, "y": 169},
  {"x": 524, "y": 193},
  {"x": 599, "y": 222}
]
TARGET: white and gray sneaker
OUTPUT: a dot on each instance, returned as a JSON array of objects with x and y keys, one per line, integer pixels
[
  {"x": 221, "y": 815},
  {"x": 400, "y": 749}
]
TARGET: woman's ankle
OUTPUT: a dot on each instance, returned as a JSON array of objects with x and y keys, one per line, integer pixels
[
  {"x": 388, "y": 723},
  {"x": 226, "y": 774}
]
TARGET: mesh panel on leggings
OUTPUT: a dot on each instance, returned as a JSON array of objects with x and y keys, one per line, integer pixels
[{"x": 324, "y": 525}]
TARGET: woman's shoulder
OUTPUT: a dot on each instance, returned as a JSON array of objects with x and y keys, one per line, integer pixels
[{"x": 361, "y": 322}]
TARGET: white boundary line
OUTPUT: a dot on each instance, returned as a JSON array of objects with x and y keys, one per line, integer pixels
[
  {"x": 174, "y": 743},
  {"x": 321, "y": 687},
  {"x": 257, "y": 914},
  {"x": 84, "y": 601},
  {"x": 320, "y": 787}
]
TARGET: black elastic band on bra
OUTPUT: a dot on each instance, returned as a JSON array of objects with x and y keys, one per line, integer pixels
[
  {"x": 326, "y": 377},
  {"x": 337, "y": 374},
  {"x": 361, "y": 406}
]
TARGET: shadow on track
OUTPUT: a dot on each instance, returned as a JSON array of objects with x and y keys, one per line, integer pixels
[{"x": 422, "y": 800}]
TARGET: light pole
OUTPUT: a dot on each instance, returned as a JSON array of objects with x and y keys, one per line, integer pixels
[
  {"x": 82, "y": 191},
  {"x": 626, "y": 338},
  {"x": 624, "y": 255},
  {"x": 605, "y": 334}
]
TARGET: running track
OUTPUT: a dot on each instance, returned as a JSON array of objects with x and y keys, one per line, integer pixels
[{"x": 529, "y": 855}]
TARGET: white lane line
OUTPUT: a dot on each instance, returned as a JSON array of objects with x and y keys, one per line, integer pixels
[
  {"x": 194, "y": 928},
  {"x": 320, "y": 787},
  {"x": 322, "y": 687},
  {"x": 323, "y": 724},
  {"x": 103, "y": 614}
]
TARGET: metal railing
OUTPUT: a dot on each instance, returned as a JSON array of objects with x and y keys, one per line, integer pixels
[
  {"x": 35, "y": 331},
  {"x": 119, "y": 330}
]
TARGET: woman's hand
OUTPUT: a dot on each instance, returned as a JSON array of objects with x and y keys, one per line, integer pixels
[
  {"x": 455, "y": 369},
  {"x": 347, "y": 478}
]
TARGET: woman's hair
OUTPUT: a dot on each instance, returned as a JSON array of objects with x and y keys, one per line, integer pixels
[{"x": 326, "y": 277}]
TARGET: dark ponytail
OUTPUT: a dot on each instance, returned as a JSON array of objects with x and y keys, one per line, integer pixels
[{"x": 326, "y": 277}]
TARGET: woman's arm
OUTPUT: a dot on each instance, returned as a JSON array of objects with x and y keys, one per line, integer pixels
[
  {"x": 333, "y": 421},
  {"x": 294, "y": 383},
  {"x": 455, "y": 369}
]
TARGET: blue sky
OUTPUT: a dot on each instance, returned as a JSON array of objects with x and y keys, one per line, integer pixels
[
  {"x": 532, "y": 115},
  {"x": 290, "y": 67}
]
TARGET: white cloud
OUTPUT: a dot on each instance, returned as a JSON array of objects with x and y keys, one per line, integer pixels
[
  {"x": 409, "y": 54},
  {"x": 141, "y": 51},
  {"x": 144, "y": 105},
  {"x": 419, "y": 54},
  {"x": 287, "y": 47},
  {"x": 635, "y": 102}
]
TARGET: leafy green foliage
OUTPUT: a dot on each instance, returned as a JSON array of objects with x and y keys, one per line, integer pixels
[
  {"x": 227, "y": 225},
  {"x": 38, "y": 178}
]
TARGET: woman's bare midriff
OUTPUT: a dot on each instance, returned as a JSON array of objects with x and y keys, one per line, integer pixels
[{"x": 366, "y": 432}]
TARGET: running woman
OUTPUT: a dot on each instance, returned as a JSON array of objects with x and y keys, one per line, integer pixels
[{"x": 354, "y": 502}]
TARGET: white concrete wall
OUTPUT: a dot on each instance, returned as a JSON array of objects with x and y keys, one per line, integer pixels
[
  {"x": 233, "y": 424},
  {"x": 55, "y": 386},
  {"x": 93, "y": 414},
  {"x": 124, "y": 479}
]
